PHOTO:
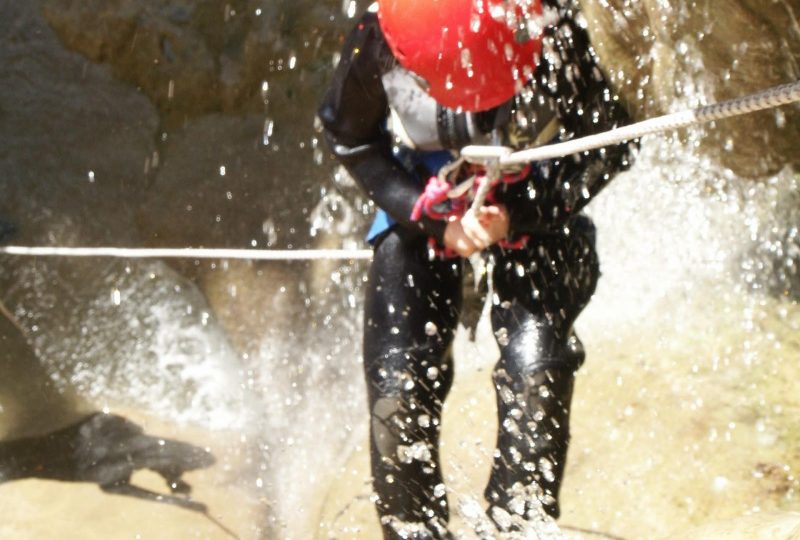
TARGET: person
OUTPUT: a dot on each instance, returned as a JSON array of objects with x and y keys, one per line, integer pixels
[{"x": 413, "y": 86}]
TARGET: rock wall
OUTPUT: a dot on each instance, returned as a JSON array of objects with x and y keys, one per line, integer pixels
[
  {"x": 194, "y": 57},
  {"x": 665, "y": 56}
]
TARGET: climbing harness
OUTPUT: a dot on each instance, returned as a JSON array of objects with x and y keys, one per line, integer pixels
[
  {"x": 442, "y": 200},
  {"x": 494, "y": 159}
]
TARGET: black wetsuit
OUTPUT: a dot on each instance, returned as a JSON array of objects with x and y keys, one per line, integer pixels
[{"x": 413, "y": 302}]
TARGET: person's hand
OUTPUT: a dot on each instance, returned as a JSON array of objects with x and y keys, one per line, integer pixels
[
  {"x": 487, "y": 226},
  {"x": 477, "y": 231},
  {"x": 456, "y": 239}
]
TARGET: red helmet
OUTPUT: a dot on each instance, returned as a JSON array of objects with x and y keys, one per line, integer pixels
[{"x": 473, "y": 54}]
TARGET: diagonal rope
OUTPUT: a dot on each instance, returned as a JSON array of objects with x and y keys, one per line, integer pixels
[
  {"x": 767, "y": 99},
  {"x": 506, "y": 157}
]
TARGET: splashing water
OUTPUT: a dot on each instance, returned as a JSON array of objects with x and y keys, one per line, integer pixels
[{"x": 694, "y": 318}]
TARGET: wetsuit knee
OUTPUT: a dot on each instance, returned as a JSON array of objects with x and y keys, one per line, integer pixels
[
  {"x": 553, "y": 277},
  {"x": 530, "y": 342}
]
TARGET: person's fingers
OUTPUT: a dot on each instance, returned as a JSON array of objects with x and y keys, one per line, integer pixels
[
  {"x": 488, "y": 213},
  {"x": 476, "y": 232}
]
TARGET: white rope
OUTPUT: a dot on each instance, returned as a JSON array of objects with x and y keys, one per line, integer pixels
[
  {"x": 191, "y": 253},
  {"x": 773, "y": 97}
]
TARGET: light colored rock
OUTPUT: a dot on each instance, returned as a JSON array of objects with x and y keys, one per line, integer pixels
[{"x": 761, "y": 526}]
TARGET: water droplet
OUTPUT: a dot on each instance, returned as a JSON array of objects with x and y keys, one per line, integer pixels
[
  {"x": 720, "y": 483},
  {"x": 265, "y": 91},
  {"x": 404, "y": 454},
  {"x": 448, "y": 82},
  {"x": 116, "y": 297},
  {"x": 728, "y": 147},
  {"x": 432, "y": 373},
  {"x": 222, "y": 170},
  {"x": 546, "y": 468},
  {"x": 349, "y": 8},
  {"x": 498, "y": 11},
  {"x": 269, "y": 127},
  {"x": 508, "y": 50},
  {"x": 466, "y": 59},
  {"x": 780, "y": 119},
  {"x": 502, "y": 336},
  {"x": 475, "y": 22},
  {"x": 270, "y": 231},
  {"x": 502, "y": 518},
  {"x": 418, "y": 451},
  {"x": 431, "y": 329}
]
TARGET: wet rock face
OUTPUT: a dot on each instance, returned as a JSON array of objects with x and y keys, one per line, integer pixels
[
  {"x": 193, "y": 57},
  {"x": 235, "y": 84},
  {"x": 76, "y": 144},
  {"x": 205, "y": 56},
  {"x": 664, "y": 56}
]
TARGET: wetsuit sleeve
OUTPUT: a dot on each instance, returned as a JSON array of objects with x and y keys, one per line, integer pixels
[
  {"x": 353, "y": 114},
  {"x": 557, "y": 189}
]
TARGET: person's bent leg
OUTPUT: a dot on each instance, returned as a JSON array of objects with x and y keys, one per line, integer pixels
[
  {"x": 411, "y": 312},
  {"x": 540, "y": 291}
]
